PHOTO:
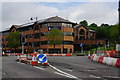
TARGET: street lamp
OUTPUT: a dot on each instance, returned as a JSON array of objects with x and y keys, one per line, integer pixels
[
  {"x": 119, "y": 20},
  {"x": 33, "y": 18}
]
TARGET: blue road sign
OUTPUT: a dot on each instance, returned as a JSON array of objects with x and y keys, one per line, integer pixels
[
  {"x": 42, "y": 58},
  {"x": 81, "y": 44}
]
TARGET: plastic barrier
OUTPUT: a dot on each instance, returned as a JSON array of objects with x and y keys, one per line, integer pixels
[
  {"x": 109, "y": 61},
  {"x": 113, "y": 61},
  {"x": 95, "y": 58},
  {"x": 54, "y": 54},
  {"x": 68, "y": 55},
  {"x": 34, "y": 60},
  {"x": 23, "y": 58},
  {"x": 117, "y": 63},
  {"x": 105, "y": 59},
  {"x": 46, "y": 63},
  {"x": 29, "y": 56},
  {"x": 59, "y": 54},
  {"x": 18, "y": 56},
  {"x": 89, "y": 56},
  {"x": 100, "y": 60}
]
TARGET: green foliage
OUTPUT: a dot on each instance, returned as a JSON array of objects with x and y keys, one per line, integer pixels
[
  {"x": 13, "y": 39},
  {"x": 114, "y": 32},
  {"x": 110, "y": 32},
  {"x": 55, "y": 36},
  {"x": 84, "y": 23},
  {"x": 102, "y": 32},
  {"x": 93, "y": 25},
  {"x": 93, "y": 28}
]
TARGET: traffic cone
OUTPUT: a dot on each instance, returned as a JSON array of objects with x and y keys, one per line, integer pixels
[
  {"x": 89, "y": 56},
  {"x": 34, "y": 60}
]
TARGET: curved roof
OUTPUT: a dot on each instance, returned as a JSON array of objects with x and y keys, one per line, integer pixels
[{"x": 56, "y": 19}]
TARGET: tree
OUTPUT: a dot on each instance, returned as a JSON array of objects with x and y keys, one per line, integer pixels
[
  {"x": 104, "y": 25},
  {"x": 93, "y": 25},
  {"x": 55, "y": 36},
  {"x": 84, "y": 23},
  {"x": 114, "y": 32},
  {"x": 102, "y": 32},
  {"x": 13, "y": 40}
]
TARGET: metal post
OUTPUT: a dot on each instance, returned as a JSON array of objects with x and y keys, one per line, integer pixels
[
  {"x": 22, "y": 48},
  {"x": 119, "y": 20},
  {"x": 63, "y": 41},
  {"x": 82, "y": 49}
]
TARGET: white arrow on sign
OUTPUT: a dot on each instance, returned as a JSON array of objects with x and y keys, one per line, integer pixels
[{"x": 41, "y": 59}]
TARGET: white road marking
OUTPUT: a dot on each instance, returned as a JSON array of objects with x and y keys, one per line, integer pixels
[
  {"x": 95, "y": 76},
  {"x": 63, "y": 73},
  {"x": 111, "y": 76},
  {"x": 39, "y": 68},
  {"x": 69, "y": 70}
]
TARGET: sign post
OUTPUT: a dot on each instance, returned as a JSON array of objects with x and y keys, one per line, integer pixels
[{"x": 23, "y": 42}]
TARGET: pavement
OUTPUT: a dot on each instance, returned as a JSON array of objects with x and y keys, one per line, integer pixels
[{"x": 61, "y": 68}]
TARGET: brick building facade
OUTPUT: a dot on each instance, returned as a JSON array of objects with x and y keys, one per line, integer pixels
[{"x": 73, "y": 35}]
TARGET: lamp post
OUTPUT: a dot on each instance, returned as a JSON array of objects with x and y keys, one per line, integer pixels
[
  {"x": 118, "y": 45},
  {"x": 34, "y": 17},
  {"x": 23, "y": 42}
]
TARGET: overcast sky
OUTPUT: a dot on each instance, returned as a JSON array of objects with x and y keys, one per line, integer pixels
[{"x": 16, "y": 13}]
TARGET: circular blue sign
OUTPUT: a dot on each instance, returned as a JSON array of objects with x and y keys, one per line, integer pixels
[{"x": 42, "y": 58}]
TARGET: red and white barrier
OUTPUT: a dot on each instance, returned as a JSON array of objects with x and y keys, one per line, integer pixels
[
  {"x": 18, "y": 56},
  {"x": 93, "y": 56},
  {"x": 59, "y": 55},
  {"x": 34, "y": 61},
  {"x": 117, "y": 63},
  {"x": 31, "y": 59},
  {"x": 89, "y": 56},
  {"x": 100, "y": 60},
  {"x": 106, "y": 60}
]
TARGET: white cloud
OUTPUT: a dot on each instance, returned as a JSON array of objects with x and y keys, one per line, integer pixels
[
  {"x": 20, "y": 13},
  {"x": 60, "y": 0}
]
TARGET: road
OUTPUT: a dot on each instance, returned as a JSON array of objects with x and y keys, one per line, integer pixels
[{"x": 61, "y": 67}]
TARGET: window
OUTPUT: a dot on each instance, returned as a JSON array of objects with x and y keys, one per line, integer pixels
[
  {"x": 67, "y": 25},
  {"x": 31, "y": 35},
  {"x": 51, "y": 51},
  {"x": 36, "y": 44},
  {"x": 30, "y": 28},
  {"x": 70, "y": 50},
  {"x": 68, "y": 34},
  {"x": 82, "y": 32},
  {"x": 68, "y": 42},
  {"x": 37, "y": 27},
  {"x": 37, "y": 35},
  {"x": 54, "y": 24},
  {"x": 64, "y": 51},
  {"x": 44, "y": 42}
]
